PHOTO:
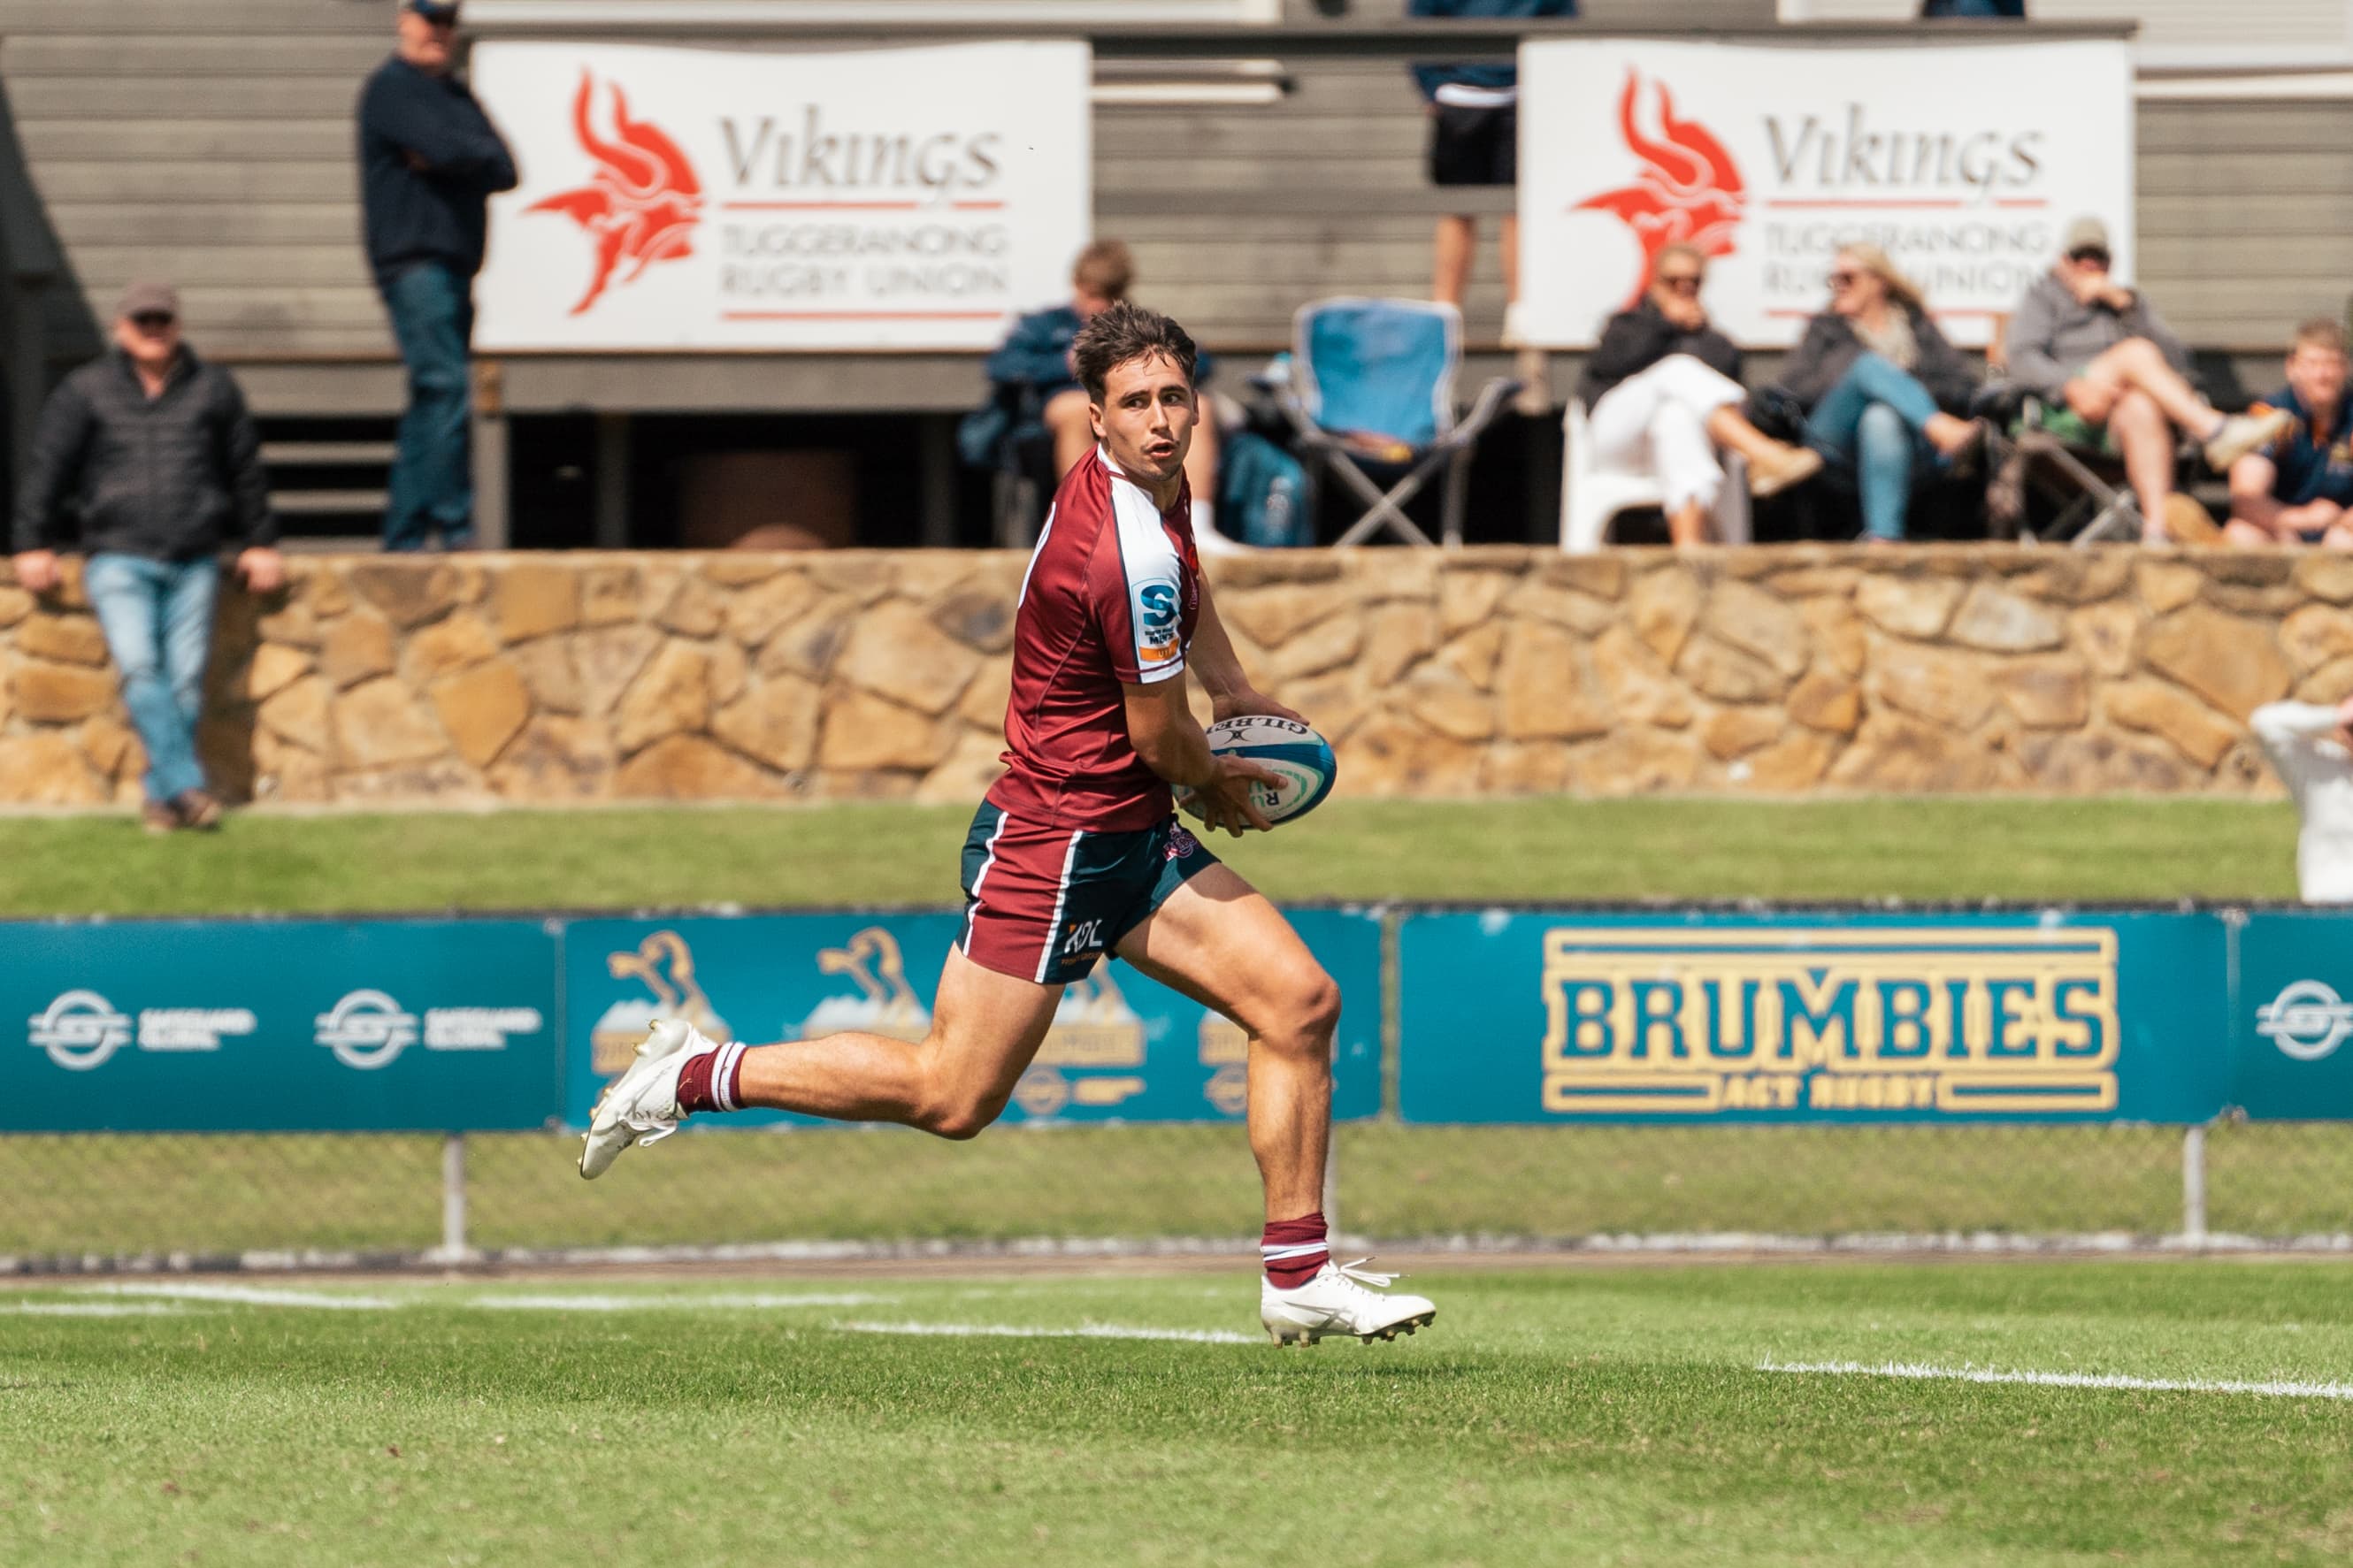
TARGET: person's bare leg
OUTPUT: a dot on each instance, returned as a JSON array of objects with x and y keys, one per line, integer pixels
[
  {"x": 2339, "y": 537},
  {"x": 1510, "y": 230},
  {"x": 985, "y": 1027},
  {"x": 2249, "y": 534},
  {"x": 1730, "y": 428},
  {"x": 2138, "y": 365},
  {"x": 2146, "y": 438},
  {"x": 1221, "y": 944},
  {"x": 1073, "y": 431},
  {"x": 1451, "y": 266},
  {"x": 1688, "y": 526}
]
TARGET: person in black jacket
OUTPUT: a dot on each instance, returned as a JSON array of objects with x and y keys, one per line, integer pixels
[
  {"x": 158, "y": 455},
  {"x": 1662, "y": 395},
  {"x": 429, "y": 161},
  {"x": 1880, "y": 386}
]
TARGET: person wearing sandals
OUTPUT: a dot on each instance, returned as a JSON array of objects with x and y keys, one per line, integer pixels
[
  {"x": 1663, "y": 393},
  {"x": 1881, "y": 388}
]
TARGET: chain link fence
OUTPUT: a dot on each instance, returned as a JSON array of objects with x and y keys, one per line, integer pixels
[{"x": 102, "y": 1200}]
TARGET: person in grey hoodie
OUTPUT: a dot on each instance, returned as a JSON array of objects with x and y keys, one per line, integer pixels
[{"x": 2112, "y": 372}]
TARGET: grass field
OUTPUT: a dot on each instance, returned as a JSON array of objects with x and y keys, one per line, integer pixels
[
  {"x": 1597, "y": 1416},
  {"x": 1920, "y": 849}
]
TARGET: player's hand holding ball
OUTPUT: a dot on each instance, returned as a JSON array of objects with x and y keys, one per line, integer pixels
[
  {"x": 1284, "y": 768},
  {"x": 1229, "y": 802}
]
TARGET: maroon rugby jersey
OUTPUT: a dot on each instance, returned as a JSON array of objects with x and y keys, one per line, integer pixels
[{"x": 1112, "y": 596}]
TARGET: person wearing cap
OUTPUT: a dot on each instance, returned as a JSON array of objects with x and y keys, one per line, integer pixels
[
  {"x": 2114, "y": 375},
  {"x": 159, "y": 458},
  {"x": 430, "y": 160}
]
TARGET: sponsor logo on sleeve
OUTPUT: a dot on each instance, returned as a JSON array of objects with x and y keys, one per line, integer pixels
[
  {"x": 1159, "y": 623},
  {"x": 2307, "y": 1020}
]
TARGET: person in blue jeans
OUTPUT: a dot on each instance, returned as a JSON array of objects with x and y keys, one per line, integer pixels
[
  {"x": 159, "y": 458},
  {"x": 1880, "y": 386},
  {"x": 429, "y": 161}
]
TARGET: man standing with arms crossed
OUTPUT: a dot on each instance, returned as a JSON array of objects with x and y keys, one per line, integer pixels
[
  {"x": 1077, "y": 852},
  {"x": 429, "y": 163}
]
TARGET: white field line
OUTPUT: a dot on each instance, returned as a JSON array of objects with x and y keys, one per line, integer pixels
[
  {"x": 1084, "y": 1332},
  {"x": 98, "y": 1308},
  {"x": 244, "y": 1295},
  {"x": 643, "y": 1303},
  {"x": 2281, "y": 1390}
]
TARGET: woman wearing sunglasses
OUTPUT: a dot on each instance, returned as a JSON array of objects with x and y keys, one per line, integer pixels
[
  {"x": 1662, "y": 392},
  {"x": 1880, "y": 386}
]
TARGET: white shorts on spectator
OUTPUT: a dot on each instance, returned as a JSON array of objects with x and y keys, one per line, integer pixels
[
  {"x": 2305, "y": 742},
  {"x": 1655, "y": 422}
]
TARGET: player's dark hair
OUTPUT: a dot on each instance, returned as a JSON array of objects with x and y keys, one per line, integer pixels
[{"x": 1123, "y": 333}]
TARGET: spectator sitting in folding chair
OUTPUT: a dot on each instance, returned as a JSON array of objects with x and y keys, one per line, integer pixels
[
  {"x": 1879, "y": 385},
  {"x": 2298, "y": 490},
  {"x": 1663, "y": 393},
  {"x": 2111, "y": 374},
  {"x": 1035, "y": 396}
]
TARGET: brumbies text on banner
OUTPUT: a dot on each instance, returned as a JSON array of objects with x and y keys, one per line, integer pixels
[
  {"x": 1964, "y": 162},
  {"x": 1712, "y": 1019},
  {"x": 829, "y": 199}
]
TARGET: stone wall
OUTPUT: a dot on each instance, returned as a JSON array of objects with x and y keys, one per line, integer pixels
[{"x": 881, "y": 676}]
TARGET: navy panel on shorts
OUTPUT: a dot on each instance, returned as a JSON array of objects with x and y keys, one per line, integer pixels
[{"x": 1044, "y": 903}]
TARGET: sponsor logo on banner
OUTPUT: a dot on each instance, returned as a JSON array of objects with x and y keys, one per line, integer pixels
[
  {"x": 664, "y": 965},
  {"x": 884, "y": 1003},
  {"x": 641, "y": 206},
  {"x": 1919, "y": 1019},
  {"x": 2307, "y": 1020},
  {"x": 368, "y": 1029},
  {"x": 82, "y": 1029},
  {"x": 79, "y": 1030},
  {"x": 1687, "y": 192},
  {"x": 1771, "y": 157},
  {"x": 682, "y": 199}
]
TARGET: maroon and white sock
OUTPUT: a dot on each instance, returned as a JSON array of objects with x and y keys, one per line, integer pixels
[
  {"x": 709, "y": 1081},
  {"x": 1295, "y": 1249}
]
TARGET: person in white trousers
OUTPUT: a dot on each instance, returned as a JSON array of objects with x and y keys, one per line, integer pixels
[
  {"x": 1662, "y": 395},
  {"x": 2311, "y": 746}
]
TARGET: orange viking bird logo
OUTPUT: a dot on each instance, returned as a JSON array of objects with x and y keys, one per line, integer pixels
[
  {"x": 642, "y": 204},
  {"x": 1688, "y": 189}
]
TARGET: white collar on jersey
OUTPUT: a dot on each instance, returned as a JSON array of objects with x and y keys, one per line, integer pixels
[{"x": 1121, "y": 476}]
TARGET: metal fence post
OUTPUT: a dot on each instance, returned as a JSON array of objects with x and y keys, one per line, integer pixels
[
  {"x": 453, "y": 1249},
  {"x": 2193, "y": 1186}
]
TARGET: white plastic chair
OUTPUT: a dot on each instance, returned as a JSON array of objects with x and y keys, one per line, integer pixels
[{"x": 1592, "y": 496}]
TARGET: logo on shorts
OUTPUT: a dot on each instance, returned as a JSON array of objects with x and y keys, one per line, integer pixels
[
  {"x": 1182, "y": 845},
  {"x": 2307, "y": 1020},
  {"x": 1689, "y": 190},
  {"x": 1081, "y": 936}
]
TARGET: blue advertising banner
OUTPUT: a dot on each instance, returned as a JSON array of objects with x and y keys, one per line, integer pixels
[
  {"x": 1123, "y": 1048},
  {"x": 2293, "y": 1023},
  {"x": 327, "y": 1026},
  {"x": 1844, "y": 1017}
]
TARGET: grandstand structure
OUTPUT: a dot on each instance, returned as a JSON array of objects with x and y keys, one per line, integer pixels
[{"x": 213, "y": 144}]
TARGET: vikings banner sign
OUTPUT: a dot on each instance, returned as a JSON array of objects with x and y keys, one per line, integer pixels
[
  {"x": 692, "y": 199},
  {"x": 1965, "y": 163}
]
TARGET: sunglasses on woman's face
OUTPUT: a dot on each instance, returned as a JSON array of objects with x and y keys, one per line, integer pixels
[
  {"x": 1681, "y": 283},
  {"x": 1844, "y": 279}
]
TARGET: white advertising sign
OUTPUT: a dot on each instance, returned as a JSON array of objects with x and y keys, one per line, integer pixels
[
  {"x": 693, "y": 199},
  {"x": 1965, "y": 163}
]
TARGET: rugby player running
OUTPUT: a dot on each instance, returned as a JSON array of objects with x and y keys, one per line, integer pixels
[{"x": 1077, "y": 852}]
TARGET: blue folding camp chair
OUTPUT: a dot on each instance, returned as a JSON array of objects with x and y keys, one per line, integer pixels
[{"x": 1372, "y": 392}]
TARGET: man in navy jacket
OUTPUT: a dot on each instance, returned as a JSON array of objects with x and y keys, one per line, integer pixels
[{"x": 429, "y": 161}]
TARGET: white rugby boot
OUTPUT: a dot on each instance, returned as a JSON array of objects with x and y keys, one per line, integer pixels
[
  {"x": 641, "y": 1105},
  {"x": 1336, "y": 1302}
]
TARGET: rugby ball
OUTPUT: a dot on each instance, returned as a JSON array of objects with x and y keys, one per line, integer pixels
[{"x": 1299, "y": 757}]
